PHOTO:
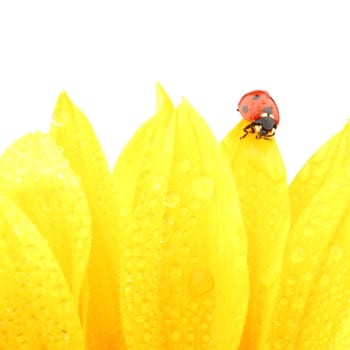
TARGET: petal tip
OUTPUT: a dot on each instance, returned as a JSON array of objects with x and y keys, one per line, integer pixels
[
  {"x": 63, "y": 101},
  {"x": 163, "y": 100}
]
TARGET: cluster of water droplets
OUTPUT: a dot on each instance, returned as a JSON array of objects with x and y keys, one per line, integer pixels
[{"x": 168, "y": 290}]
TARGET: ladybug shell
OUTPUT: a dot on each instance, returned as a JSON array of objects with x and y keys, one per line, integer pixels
[{"x": 257, "y": 102}]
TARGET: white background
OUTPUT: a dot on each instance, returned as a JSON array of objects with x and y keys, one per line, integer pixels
[{"x": 108, "y": 55}]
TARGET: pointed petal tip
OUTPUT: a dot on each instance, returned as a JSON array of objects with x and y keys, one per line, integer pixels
[
  {"x": 184, "y": 101},
  {"x": 63, "y": 100},
  {"x": 63, "y": 95},
  {"x": 163, "y": 100},
  {"x": 185, "y": 105}
]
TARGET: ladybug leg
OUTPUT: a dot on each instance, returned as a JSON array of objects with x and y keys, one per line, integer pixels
[
  {"x": 248, "y": 129},
  {"x": 266, "y": 134}
]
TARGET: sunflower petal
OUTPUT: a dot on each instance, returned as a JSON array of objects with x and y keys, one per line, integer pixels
[
  {"x": 37, "y": 310},
  {"x": 314, "y": 173},
  {"x": 261, "y": 181},
  {"x": 73, "y": 133},
  {"x": 184, "y": 280},
  {"x": 315, "y": 287},
  {"x": 36, "y": 176}
]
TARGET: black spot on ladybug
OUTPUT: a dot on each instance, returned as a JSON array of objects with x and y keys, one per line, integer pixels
[
  {"x": 267, "y": 110},
  {"x": 245, "y": 109},
  {"x": 256, "y": 97}
]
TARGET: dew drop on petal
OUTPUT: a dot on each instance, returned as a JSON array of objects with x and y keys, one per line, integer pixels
[
  {"x": 65, "y": 335},
  {"x": 325, "y": 279},
  {"x": 278, "y": 344},
  {"x": 164, "y": 290},
  {"x": 190, "y": 337},
  {"x": 203, "y": 187},
  {"x": 147, "y": 337},
  {"x": 284, "y": 301},
  {"x": 158, "y": 182},
  {"x": 291, "y": 323},
  {"x": 175, "y": 272},
  {"x": 171, "y": 199},
  {"x": 201, "y": 281},
  {"x": 291, "y": 280},
  {"x": 336, "y": 252},
  {"x": 184, "y": 166},
  {"x": 175, "y": 335},
  {"x": 308, "y": 276},
  {"x": 297, "y": 254},
  {"x": 185, "y": 250},
  {"x": 59, "y": 118},
  {"x": 195, "y": 205}
]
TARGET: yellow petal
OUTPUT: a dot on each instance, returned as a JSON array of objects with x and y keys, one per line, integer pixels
[
  {"x": 315, "y": 286},
  {"x": 73, "y": 133},
  {"x": 37, "y": 310},
  {"x": 342, "y": 340},
  {"x": 261, "y": 181},
  {"x": 36, "y": 176},
  {"x": 313, "y": 175},
  {"x": 184, "y": 282}
]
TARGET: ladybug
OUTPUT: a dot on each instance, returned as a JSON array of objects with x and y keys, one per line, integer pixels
[{"x": 259, "y": 108}]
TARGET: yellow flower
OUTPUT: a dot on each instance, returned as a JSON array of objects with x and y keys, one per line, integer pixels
[{"x": 187, "y": 244}]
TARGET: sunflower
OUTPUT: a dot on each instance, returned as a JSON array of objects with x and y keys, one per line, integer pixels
[{"x": 187, "y": 244}]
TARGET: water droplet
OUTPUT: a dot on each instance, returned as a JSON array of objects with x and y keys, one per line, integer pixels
[
  {"x": 147, "y": 337},
  {"x": 190, "y": 337},
  {"x": 291, "y": 280},
  {"x": 188, "y": 347},
  {"x": 203, "y": 327},
  {"x": 203, "y": 187},
  {"x": 206, "y": 338},
  {"x": 291, "y": 323},
  {"x": 146, "y": 164},
  {"x": 193, "y": 221},
  {"x": 184, "y": 321},
  {"x": 193, "y": 306},
  {"x": 158, "y": 182},
  {"x": 168, "y": 220},
  {"x": 175, "y": 335},
  {"x": 175, "y": 272},
  {"x": 175, "y": 312},
  {"x": 164, "y": 290},
  {"x": 184, "y": 166},
  {"x": 324, "y": 281},
  {"x": 336, "y": 252},
  {"x": 201, "y": 281},
  {"x": 139, "y": 210},
  {"x": 139, "y": 318},
  {"x": 18, "y": 230},
  {"x": 297, "y": 254},
  {"x": 59, "y": 118},
  {"x": 195, "y": 205},
  {"x": 284, "y": 301},
  {"x": 171, "y": 199},
  {"x": 185, "y": 250},
  {"x": 137, "y": 237},
  {"x": 209, "y": 317},
  {"x": 278, "y": 344},
  {"x": 184, "y": 211},
  {"x": 308, "y": 276},
  {"x": 308, "y": 230}
]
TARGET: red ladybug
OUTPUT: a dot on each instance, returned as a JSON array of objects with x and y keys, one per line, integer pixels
[{"x": 259, "y": 108}]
